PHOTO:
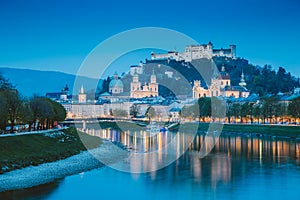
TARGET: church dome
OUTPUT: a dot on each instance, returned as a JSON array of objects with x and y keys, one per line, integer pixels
[{"x": 116, "y": 83}]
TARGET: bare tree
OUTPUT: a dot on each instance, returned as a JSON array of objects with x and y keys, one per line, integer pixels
[{"x": 134, "y": 110}]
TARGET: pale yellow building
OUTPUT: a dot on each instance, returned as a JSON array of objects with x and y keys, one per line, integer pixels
[
  {"x": 147, "y": 90},
  {"x": 221, "y": 86}
]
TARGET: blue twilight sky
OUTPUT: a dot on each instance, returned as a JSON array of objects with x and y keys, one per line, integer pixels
[{"x": 58, "y": 35}]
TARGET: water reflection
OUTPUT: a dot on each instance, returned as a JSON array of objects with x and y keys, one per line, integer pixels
[
  {"x": 229, "y": 153},
  {"x": 38, "y": 192},
  {"x": 143, "y": 151},
  {"x": 237, "y": 168},
  {"x": 137, "y": 141},
  {"x": 263, "y": 149}
]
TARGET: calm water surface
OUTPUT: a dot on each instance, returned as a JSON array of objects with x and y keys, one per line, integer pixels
[{"x": 237, "y": 168}]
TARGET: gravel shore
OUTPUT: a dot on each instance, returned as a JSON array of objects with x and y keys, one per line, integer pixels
[{"x": 48, "y": 172}]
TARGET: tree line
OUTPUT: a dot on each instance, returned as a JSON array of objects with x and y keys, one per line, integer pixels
[
  {"x": 261, "y": 80},
  {"x": 265, "y": 110},
  {"x": 39, "y": 113}
]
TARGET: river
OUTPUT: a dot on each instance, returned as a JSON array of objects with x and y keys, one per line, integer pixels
[{"x": 239, "y": 167}]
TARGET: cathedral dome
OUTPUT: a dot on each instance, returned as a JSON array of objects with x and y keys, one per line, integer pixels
[{"x": 116, "y": 83}]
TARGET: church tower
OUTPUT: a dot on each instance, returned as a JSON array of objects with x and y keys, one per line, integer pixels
[
  {"x": 153, "y": 77},
  {"x": 243, "y": 82},
  {"x": 224, "y": 78},
  {"x": 148, "y": 90},
  {"x": 135, "y": 85},
  {"x": 153, "y": 86},
  {"x": 81, "y": 95}
]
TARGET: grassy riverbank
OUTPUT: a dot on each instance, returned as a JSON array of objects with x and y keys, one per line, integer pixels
[
  {"x": 254, "y": 129},
  {"x": 269, "y": 130},
  {"x": 25, "y": 150}
]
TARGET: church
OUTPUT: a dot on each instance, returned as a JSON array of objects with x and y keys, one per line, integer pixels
[
  {"x": 221, "y": 86},
  {"x": 147, "y": 90},
  {"x": 116, "y": 86}
]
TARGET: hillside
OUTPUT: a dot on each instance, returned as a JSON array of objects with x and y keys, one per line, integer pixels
[
  {"x": 30, "y": 82},
  {"x": 262, "y": 80}
]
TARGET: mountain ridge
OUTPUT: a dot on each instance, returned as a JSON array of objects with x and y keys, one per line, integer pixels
[{"x": 31, "y": 82}]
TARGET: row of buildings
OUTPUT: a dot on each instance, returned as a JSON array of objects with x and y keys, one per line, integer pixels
[
  {"x": 143, "y": 96},
  {"x": 147, "y": 93}
]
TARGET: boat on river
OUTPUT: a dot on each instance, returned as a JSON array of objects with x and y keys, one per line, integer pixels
[{"x": 153, "y": 128}]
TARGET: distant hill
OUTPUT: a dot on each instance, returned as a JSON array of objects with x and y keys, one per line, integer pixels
[
  {"x": 30, "y": 82},
  {"x": 261, "y": 80}
]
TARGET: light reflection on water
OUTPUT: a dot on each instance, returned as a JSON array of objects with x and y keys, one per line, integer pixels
[
  {"x": 263, "y": 149},
  {"x": 238, "y": 167}
]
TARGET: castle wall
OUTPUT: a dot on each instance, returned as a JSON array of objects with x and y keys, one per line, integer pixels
[{"x": 193, "y": 52}]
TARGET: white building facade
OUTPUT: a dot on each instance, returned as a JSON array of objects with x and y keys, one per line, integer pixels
[
  {"x": 221, "y": 86},
  {"x": 193, "y": 52}
]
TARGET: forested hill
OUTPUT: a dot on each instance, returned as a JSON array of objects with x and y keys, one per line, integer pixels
[{"x": 261, "y": 80}]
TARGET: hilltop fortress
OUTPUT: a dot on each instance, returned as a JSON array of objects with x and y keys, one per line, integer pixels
[{"x": 193, "y": 52}]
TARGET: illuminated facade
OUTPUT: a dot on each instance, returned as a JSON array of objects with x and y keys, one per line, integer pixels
[
  {"x": 147, "y": 90},
  {"x": 221, "y": 86},
  {"x": 193, "y": 52}
]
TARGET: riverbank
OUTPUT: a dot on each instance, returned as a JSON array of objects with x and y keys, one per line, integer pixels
[
  {"x": 264, "y": 130},
  {"x": 292, "y": 132},
  {"x": 49, "y": 172},
  {"x": 32, "y": 132},
  {"x": 34, "y": 149},
  {"x": 284, "y": 131}
]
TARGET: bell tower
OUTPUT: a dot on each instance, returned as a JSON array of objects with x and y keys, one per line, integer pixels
[
  {"x": 153, "y": 77},
  {"x": 135, "y": 85},
  {"x": 243, "y": 82},
  {"x": 153, "y": 86},
  {"x": 81, "y": 95}
]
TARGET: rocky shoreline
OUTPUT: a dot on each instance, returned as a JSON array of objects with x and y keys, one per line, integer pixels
[{"x": 48, "y": 172}]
